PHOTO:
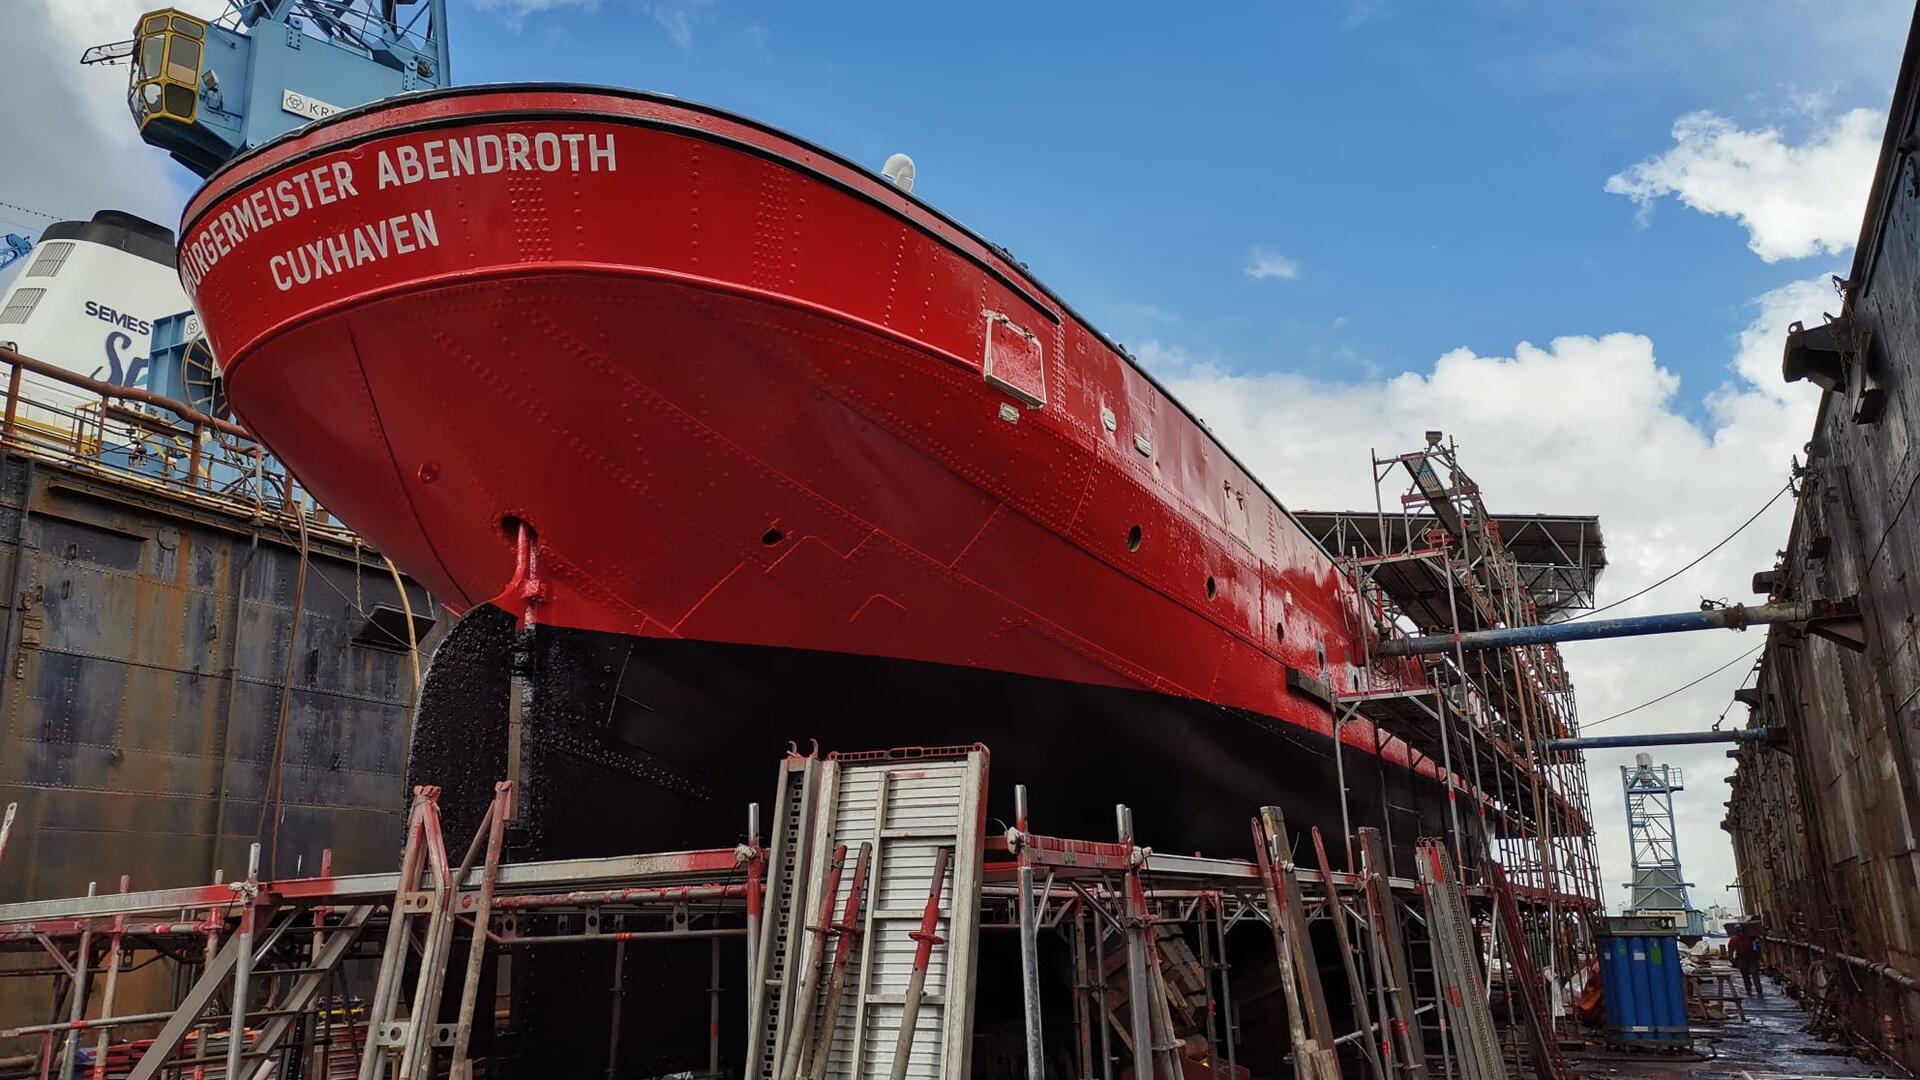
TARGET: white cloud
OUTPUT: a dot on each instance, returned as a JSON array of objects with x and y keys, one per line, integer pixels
[
  {"x": 1793, "y": 200},
  {"x": 1579, "y": 425},
  {"x": 1263, "y": 263}
]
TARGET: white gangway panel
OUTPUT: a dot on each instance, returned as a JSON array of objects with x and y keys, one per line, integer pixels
[{"x": 907, "y": 806}]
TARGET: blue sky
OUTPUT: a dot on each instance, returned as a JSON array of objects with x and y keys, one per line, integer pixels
[{"x": 1436, "y": 176}]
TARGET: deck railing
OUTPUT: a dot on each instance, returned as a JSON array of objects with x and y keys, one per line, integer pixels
[{"x": 150, "y": 441}]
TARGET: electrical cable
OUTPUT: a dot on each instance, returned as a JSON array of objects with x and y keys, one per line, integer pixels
[
  {"x": 30, "y": 210},
  {"x": 276, "y": 775},
  {"x": 1687, "y": 686},
  {"x": 354, "y": 605},
  {"x": 1734, "y": 699},
  {"x": 1696, "y": 562}
]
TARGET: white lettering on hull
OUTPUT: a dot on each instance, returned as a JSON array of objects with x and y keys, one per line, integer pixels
[
  {"x": 483, "y": 155},
  {"x": 402, "y": 165},
  {"x": 401, "y": 234}
]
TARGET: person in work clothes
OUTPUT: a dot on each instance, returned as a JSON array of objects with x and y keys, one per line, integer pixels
[{"x": 1743, "y": 948}]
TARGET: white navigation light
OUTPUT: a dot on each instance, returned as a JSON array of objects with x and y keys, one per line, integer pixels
[{"x": 899, "y": 171}]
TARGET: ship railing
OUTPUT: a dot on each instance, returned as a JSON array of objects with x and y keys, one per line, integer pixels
[{"x": 150, "y": 441}]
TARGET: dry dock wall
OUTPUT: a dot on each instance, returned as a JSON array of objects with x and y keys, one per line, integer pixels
[
  {"x": 1823, "y": 816},
  {"x": 145, "y": 654}
]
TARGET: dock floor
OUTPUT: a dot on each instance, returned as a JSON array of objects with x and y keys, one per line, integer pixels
[{"x": 1768, "y": 1045}]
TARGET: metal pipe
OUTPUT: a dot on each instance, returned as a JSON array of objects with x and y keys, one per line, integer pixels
[
  {"x": 1735, "y": 617},
  {"x": 1206, "y": 971},
  {"x": 1082, "y": 987},
  {"x": 755, "y": 894},
  {"x": 386, "y": 990},
  {"x": 243, "y": 966},
  {"x": 495, "y": 829},
  {"x": 1659, "y": 738},
  {"x": 115, "y": 936},
  {"x": 619, "y": 993},
  {"x": 1356, "y": 990},
  {"x": 13, "y": 403},
  {"x": 126, "y": 393},
  {"x": 1873, "y": 967},
  {"x": 1340, "y": 778},
  {"x": 614, "y": 937},
  {"x": 1029, "y": 944},
  {"x": 713, "y": 1011},
  {"x": 809, "y": 983},
  {"x": 1100, "y": 993},
  {"x": 77, "y": 1007},
  {"x": 658, "y": 894},
  {"x": 97, "y": 1024},
  {"x": 844, "y": 933},
  {"x": 1136, "y": 924},
  {"x": 924, "y": 938},
  {"x": 1229, "y": 1019}
]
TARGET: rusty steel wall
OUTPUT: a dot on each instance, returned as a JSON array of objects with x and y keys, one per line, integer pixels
[
  {"x": 145, "y": 650},
  {"x": 1824, "y": 816}
]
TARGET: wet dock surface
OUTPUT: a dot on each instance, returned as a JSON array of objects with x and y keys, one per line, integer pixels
[{"x": 1768, "y": 1045}]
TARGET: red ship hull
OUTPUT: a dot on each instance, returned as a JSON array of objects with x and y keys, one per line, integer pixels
[
  {"x": 802, "y": 456},
  {"x": 745, "y": 392}
]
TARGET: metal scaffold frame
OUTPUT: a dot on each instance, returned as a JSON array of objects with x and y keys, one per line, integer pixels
[
  {"x": 263, "y": 966},
  {"x": 1434, "y": 562},
  {"x": 1658, "y": 884}
]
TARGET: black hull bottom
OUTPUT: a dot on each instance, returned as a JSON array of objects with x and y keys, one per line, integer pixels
[{"x": 649, "y": 744}]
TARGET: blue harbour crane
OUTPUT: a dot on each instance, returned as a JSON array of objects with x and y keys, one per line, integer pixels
[
  {"x": 13, "y": 248},
  {"x": 206, "y": 91}
]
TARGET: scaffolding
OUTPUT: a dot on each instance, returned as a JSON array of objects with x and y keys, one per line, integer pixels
[
  {"x": 1434, "y": 561},
  {"x": 379, "y": 975}
]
